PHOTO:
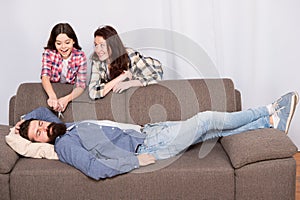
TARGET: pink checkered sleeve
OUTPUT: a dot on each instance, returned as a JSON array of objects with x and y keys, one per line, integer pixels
[
  {"x": 46, "y": 64},
  {"x": 82, "y": 71}
]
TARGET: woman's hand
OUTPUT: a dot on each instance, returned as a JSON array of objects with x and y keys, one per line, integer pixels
[
  {"x": 53, "y": 103},
  {"x": 122, "y": 86},
  {"x": 63, "y": 102},
  {"x": 126, "y": 75}
]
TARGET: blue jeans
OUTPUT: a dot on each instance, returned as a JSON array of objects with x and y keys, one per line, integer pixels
[{"x": 167, "y": 139}]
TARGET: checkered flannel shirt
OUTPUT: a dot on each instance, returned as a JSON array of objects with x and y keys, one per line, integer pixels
[
  {"x": 145, "y": 69},
  {"x": 77, "y": 67}
]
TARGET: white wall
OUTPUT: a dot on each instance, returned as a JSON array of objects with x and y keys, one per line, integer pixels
[
  {"x": 256, "y": 43},
  {"x": 261, "y": 46}
]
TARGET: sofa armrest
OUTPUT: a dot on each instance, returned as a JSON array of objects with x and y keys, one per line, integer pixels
[
  {"x": 238, "y": 100},
  {"x": 11, "y": 113},
  {"x": 257, "y": 145},
  {"x": 8, "y": 156}
]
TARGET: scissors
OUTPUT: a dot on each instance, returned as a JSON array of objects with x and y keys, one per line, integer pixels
[{"x": 60, "y": 115}]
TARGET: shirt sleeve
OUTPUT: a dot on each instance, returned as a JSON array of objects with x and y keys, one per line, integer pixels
[
  {"x": 145, "y": 69},
  {"x": 70, "y": 151},
  {"x": 82, "y": 70},
  {"x": 46, "y": 64},
  {"x": 96, "y": 85},
  {"x": 43, "y": 114}
]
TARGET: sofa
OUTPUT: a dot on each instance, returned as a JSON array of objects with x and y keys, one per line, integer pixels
[{"x": 256, "y": 164}]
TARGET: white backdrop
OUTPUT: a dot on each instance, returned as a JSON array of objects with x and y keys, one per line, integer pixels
[{"x": 256, "y": 43}]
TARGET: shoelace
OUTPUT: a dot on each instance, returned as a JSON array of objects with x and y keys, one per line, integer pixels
[
  {"x": 276, "y": 117},
  {"x": 276, "y": 103}
]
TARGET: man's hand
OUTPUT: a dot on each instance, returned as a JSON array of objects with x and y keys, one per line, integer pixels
[
  {"x": 17, "y": 126},
  {"x": 146, "y": 159}
]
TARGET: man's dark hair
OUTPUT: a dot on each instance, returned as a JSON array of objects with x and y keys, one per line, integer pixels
[
  {"x": 54, "y": 130},
  {"x": 24, "y": 128}
]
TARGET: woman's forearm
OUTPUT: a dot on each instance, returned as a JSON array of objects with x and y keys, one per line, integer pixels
[
  {"x": 111, "y": 84},
  {"x": 48, "y": 87},
  {"x": 76, "y": 93}
]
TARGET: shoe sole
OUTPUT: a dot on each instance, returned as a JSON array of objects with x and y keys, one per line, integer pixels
[{"x": 294, "y": 102}]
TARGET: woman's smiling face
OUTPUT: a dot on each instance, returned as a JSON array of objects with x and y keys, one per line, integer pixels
[
  {"x": 101, "y": 48},
  {"x": 64, "y": 45}
]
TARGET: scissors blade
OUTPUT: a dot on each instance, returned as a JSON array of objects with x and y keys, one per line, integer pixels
[{"x": 60, "y": 115}]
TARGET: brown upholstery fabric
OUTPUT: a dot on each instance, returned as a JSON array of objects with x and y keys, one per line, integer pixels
[
  {"x": 257, "y": 145},
  {"x": 7, "y": 155},
  {"x": 238, "y": 100},
  {"x": 12, "y": 102},
  {"x": 256, "y": 165},
  {"x": 267, "y": 180},
  {"x": 169, "y": 101},
  {"x": 4, "y": 187},
  {"x": 187, "y": 177},
  {"x": 112, "y": 107},
  {"x": 32, "y": 95}
]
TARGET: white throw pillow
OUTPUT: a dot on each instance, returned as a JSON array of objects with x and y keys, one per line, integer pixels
[{"x": 30, "y": 149}]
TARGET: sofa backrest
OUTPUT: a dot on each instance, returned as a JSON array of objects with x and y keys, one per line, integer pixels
[{"x": 167, "y": 100}]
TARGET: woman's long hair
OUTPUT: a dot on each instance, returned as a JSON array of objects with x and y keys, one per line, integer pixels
[
  {"x": 118, "y": 57},
  {"x": 59, "y": 29}
]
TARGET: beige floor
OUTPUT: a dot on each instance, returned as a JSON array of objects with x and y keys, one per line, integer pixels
[{"x": 297, "y": 157}]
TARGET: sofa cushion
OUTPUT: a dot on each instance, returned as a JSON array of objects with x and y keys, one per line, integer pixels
[
  {"x": 257, "y": 145},
  {"x": 271, "y": 179},
  {"x": 4, "y": 189},
  {"x": 32, "y": 95},
  {"x": 173, "y": 100},
  {"x": 187, "y": 177},
  {"x": 111, "y": 107},
  {"x": 7, "y": 156}
]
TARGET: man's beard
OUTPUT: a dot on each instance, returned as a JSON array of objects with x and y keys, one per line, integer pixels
[{"x": 54, "y": 130}]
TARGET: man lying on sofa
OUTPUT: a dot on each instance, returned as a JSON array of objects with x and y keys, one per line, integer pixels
[{"x": 102, "y": 149}]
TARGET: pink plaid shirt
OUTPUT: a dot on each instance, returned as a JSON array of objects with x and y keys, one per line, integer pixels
[{"x": 77, "y": 67}]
